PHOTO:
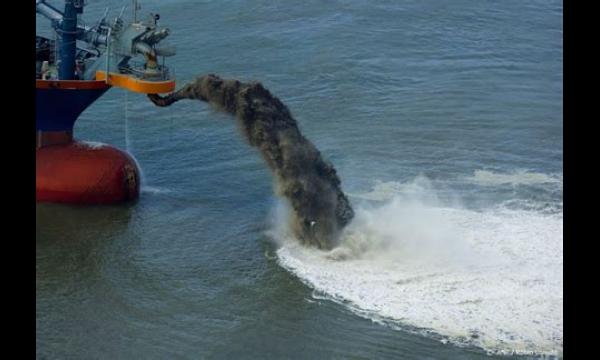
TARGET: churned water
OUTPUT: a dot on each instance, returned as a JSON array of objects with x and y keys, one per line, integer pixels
[{"x": 444, "y": 123}]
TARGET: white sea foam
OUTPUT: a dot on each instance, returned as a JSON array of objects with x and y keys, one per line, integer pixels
[
  {"x": 154, "y": 190},
  {"x": 492, "y": 279},
  {"x": 418, "y": 188},
  {"x": 92, "y": 144},
  {"x": 520, "y": 177}
]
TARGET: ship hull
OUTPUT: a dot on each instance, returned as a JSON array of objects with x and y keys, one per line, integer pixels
[
  {"x": 58, "y": 103},
  {"x": 77, "y": 172},
  {"x": 85, "y": 173}
]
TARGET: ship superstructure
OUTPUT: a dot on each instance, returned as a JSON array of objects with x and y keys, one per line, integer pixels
[{"x": 73, "y": 70}]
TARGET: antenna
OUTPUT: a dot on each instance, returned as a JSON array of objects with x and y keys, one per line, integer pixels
[{"x": 136, "y": 7}]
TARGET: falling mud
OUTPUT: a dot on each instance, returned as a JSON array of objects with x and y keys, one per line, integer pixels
[{"x": 310, "y": 183}]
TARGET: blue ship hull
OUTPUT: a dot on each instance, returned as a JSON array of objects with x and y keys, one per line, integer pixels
[{"x": 57, "y": 109}]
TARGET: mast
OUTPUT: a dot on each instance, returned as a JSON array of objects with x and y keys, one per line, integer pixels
[
  {"x": 136, "y": 7},
  {"x": 68, "y": 32}
]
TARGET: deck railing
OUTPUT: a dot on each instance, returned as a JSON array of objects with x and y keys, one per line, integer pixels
[{"x": 138, "y": 70}]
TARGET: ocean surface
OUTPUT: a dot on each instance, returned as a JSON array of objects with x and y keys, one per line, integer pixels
[{"x": 444, "y": 122}]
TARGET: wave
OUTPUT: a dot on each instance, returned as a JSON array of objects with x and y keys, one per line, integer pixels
[
  {"x": 491, "y": 279},
  {"x": 519, "y": 177}
]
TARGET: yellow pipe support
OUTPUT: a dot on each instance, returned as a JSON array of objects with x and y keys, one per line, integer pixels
[{"x": 136, "y": 85}]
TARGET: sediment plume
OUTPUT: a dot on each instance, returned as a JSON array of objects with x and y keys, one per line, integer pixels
[{"x": 320, "y": 209}]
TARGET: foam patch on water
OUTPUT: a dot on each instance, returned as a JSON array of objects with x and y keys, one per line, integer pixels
[
  {"x": 520, "y": 177},
  {"x": 92, "y": 144},
  {"x": 154, "y": 190},
  {"x": 420, "y": 190},
  {"x": 491, "y": 279}
]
